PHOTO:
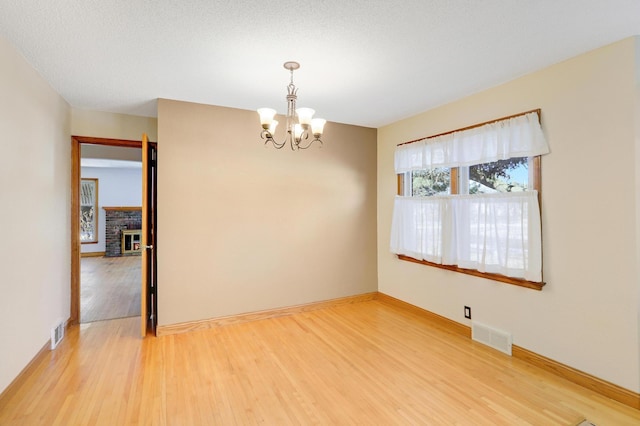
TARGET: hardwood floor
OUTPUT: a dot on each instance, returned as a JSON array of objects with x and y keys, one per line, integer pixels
[
  {"x": 109, "y": 288},
  {"x": 363, "y": 363}
]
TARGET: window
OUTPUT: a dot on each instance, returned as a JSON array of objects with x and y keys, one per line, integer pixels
[
  {"x": 88, "y": 210},
  {"x": 424, "y": 183},
  {"x": 469, "y": 200},
  {"x": 487, "y": 178},
  {"x": 512, "y": 175}
]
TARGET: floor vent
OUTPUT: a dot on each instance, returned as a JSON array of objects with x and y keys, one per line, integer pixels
[
  {"x": 497, "y": 339},
  {"x": 57, "y": 333}
]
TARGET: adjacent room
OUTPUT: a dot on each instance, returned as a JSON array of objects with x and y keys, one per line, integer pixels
[
  {"x": 110, "y": 222},
  {"x": 450, "y": 236}
]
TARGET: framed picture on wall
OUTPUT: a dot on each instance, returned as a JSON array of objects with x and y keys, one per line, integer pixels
[{"x": 88, "y": 210}]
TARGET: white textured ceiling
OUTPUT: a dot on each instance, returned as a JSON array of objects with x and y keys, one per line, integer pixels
[{"x": 364, "y": 62}]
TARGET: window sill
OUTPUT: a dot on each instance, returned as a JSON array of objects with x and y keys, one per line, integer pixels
[{"x": 495, "y": 277}]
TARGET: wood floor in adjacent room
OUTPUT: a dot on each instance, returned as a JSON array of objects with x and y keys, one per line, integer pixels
[
  {"x": 109, "y": 287},
  {"x": 368, "y": 363}
]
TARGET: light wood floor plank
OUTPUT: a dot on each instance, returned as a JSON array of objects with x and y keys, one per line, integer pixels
[
  {"x": 361, "y": 363},
  {"x": 109, "y": 288}
]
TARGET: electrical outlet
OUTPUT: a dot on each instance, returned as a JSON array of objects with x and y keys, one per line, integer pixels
[{"x": 467, "y": 312}]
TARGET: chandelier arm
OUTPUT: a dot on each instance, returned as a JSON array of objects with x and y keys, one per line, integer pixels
[
  {"x": 310, "y": 143},
  {"x": 269, "y": 138}
]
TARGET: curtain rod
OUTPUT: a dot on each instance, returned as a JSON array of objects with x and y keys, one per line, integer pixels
[{"x": 473, "y": 126}]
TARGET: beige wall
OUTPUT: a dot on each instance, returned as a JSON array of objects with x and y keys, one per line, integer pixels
[
  {"x": 243, "y": 228},
  {"x": 111, "y": 125},
  {"x": 587, "y": 315},
  {"x": 34, "y": 199}
]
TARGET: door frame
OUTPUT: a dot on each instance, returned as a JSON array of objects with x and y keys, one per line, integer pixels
[{"x": 76, "y": 141}]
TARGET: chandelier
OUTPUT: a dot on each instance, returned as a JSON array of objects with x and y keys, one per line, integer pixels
[{"x": 300, "y": 122}]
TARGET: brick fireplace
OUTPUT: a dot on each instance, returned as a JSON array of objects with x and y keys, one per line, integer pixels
[{"x": 117, "y": 220}]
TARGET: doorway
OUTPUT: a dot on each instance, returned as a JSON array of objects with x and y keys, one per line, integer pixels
[
  {"x": 116, "y": 263},
  {"x": 110, "y": 230}
]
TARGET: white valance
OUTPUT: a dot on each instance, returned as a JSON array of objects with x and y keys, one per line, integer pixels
[{"x": 519, "y": 136}]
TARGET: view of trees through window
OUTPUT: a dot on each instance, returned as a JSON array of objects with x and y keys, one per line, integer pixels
[
  {"x": 436, "y": 181},
  {"x": 510, "y": 175},
  {"x": 500, "y": 176}
]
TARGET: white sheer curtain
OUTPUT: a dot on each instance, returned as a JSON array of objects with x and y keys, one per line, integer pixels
[
  {"x": 496, "y": 233},
  {"x": 418, "y": 225},
  {"x": 515, "y": 137}
]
